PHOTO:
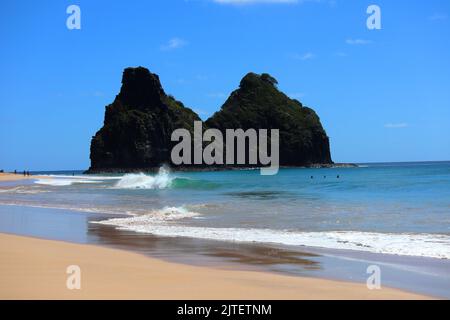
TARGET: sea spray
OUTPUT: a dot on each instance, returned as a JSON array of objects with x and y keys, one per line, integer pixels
[{"x": 162, "y": 180}]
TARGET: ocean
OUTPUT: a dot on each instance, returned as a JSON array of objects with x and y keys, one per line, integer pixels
[{"x": 396, "y": 210}]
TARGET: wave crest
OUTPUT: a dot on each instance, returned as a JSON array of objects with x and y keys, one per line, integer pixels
[
  {"x": 162, "y": 180},
  {"x": 155, "y": 217}
]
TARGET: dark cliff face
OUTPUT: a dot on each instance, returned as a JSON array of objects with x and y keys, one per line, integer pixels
[
  {"x": 259, "y": 104},
  {"x": 141, "y": 89},
  {"x": 138, "y": 125}
]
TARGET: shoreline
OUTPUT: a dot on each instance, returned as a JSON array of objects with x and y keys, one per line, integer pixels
[
  {"x": 7, "y": 177},
  {"x": 400, "y": 272},
  {"x": 36, "y": 269}
]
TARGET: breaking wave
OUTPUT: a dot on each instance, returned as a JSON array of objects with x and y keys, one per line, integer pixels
[
  {"x": 163, "y": 180},
  {"x": 142, "y": 181}
]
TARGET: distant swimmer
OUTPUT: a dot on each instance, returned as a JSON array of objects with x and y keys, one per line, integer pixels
[
  {"x": 312, "y": 177},
  {"x": 337, "y": 177}
]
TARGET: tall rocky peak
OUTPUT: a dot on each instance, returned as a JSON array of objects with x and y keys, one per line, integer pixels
[
  {"x": 253, "y": 80},
  {"x": 258, "y": 104},
  {"x": 138, "y": 125},
  {"x": 137, "y": 129},
  {"x": 140, "y": 88}
]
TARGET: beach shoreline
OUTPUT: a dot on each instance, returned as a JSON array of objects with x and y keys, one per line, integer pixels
[
  {"x": 7, "y": 177},
  {"x": 36, "y": 269},
  {"x": 265, "y": 229}
]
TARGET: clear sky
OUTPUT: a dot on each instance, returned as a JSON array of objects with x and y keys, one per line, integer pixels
[{"x": 382, "y": 95}]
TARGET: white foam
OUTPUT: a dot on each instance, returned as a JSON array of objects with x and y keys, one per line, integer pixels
[
  {"x": 154, "y": 217},
  {"x": 425, "y": 245},
  {"x": 84, "y": 177},
  {"x": 9, "y": 190},
  {"x": 62, "y": 182},
  {"x": 141, "y": 181},
  {"x": 67, "y": 180},
  {"x": 26, "y": 190},
  {"x": 129, "y": 181},
  {"x": 104, "y": 210}
]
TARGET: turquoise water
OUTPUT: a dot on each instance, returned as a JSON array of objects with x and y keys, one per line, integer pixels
[{"x": 400, "y": 209}]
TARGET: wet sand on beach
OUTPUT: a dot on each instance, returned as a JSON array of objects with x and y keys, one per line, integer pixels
[{"x": 36, "y": 269}]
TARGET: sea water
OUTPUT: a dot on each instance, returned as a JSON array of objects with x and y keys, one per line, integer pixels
[{"x": 400, "y": 209}]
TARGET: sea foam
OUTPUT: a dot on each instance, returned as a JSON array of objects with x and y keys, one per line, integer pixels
[
  {"x": 161, "y": 180},
  {"x": 154, "y": 217},
  {"x": 423, "y": 245},
  {"x": 141, "y": 181},
  {"x": 58, "y": 182}
]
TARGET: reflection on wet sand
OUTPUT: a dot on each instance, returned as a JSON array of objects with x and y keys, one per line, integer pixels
[
  {"x": 201, "y": 252},
  {"x": 268, "y": 256}
]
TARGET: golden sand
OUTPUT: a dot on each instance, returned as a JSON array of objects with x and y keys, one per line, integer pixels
[
  {"x": 18, "y": 176},
  {"x": 36, "y": 269}
]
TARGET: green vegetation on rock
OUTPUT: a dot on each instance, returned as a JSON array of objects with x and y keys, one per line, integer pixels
[
  {"x": 259, "y": 104},
  {"x": 139, "y": 123}
]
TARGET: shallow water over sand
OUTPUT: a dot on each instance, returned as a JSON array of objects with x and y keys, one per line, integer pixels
[{"x": 422, "y": 275}]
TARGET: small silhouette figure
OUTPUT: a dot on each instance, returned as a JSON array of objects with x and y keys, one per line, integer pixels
[
  {"x": 15, "y": 171},
  {"x": 338, "y": 177}
]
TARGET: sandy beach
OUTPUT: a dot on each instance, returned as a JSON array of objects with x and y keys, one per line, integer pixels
[
  {"x": 18, "y": 176},
  {"x": 36, "y": 269}
]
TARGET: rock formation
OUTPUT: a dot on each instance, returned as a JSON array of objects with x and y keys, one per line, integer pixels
[
  {"x": 259, "y": 104},
  {"x": 137, "y": 129},
  {"x": 138, "y": 125}
]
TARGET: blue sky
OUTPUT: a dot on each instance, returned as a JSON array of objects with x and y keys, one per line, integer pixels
[{"x": 382, "y": 95}]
